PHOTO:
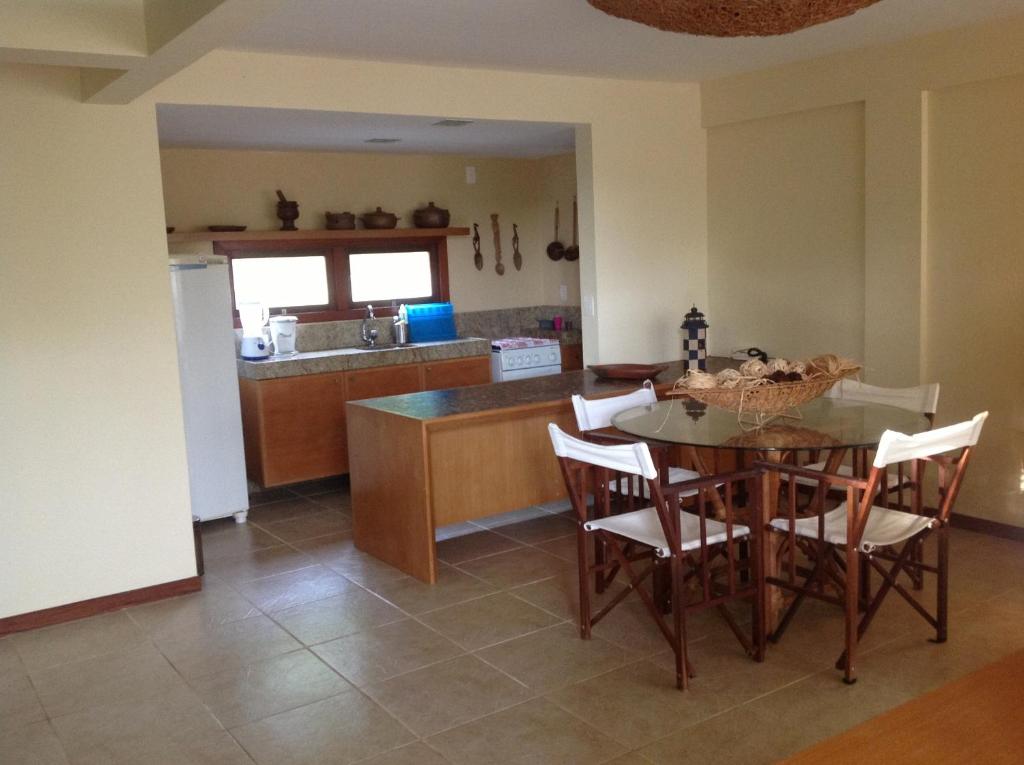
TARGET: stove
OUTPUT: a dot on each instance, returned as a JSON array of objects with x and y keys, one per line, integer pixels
[{"x": 516, "y": 358}]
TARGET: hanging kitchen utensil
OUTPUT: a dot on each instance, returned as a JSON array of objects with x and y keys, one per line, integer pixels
[
  {"x": 478, "y": 259},
  {"x": 556, "y": 249},
  {"x": 499, "y": 267},
  {"x": 572, "y": 252},
  {"x": 517, "y": 256}
]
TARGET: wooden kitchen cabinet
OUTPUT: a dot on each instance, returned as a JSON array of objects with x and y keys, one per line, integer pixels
[
  {"x": 572, "y": 358},
  {"x": 383, "y": 381},
  {"x": 294, "y": 428},
  {"x": 456, "y": 373}
]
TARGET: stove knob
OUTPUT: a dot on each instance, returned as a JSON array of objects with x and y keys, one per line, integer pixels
[{"x": 536, "y": 358}]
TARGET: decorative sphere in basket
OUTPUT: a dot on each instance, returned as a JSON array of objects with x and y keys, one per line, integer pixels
[{"x": 760, "y": 391}]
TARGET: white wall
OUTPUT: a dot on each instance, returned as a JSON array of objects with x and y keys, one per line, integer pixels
[{"x": 94, "y": 487}]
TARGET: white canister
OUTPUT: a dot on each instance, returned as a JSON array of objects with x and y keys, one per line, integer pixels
[{"x": 282, "y": 332}]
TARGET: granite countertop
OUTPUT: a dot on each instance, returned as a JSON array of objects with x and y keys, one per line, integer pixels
[
  {"x": 436, "y": 404},
  {"x": 343, "y": 359}
]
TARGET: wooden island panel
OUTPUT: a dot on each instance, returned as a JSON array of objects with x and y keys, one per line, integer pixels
[{"x": 511, "y": 467}]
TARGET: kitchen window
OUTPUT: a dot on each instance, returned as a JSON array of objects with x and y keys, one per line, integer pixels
[{"x": 327, "y": 281}]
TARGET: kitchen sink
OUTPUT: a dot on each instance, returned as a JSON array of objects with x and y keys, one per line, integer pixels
[{"x": 386, "y": 347}]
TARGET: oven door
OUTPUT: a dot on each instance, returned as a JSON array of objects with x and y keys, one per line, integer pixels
[{"x": 522, "y": 374}]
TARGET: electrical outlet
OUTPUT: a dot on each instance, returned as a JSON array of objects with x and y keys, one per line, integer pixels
[
  {"x": 563, "y": 293},
  {"x": 589, "y": 307},
  {"x": 470, "y": 175}
]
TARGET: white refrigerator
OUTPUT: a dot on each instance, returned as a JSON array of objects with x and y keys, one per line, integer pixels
[{"x": 209, "y": 387}]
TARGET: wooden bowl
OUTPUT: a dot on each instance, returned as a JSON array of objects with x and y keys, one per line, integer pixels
[{"x": 627, "y": 371}]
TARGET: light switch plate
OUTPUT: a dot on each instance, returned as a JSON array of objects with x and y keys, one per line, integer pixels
[
  {"x": 470, "y": 175},
  {"x": 589, "y": 308},
  {"x": 563, "y": 292}
]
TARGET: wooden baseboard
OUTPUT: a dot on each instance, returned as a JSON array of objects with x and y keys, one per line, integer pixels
[
  {"x": 83, "y": 608},
  {"x": 985, "y": 526}
]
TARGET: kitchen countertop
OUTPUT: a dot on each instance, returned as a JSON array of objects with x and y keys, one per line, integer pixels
[
  {"x": 344, "y": 359},
  {"x": 436, "y": 404}
]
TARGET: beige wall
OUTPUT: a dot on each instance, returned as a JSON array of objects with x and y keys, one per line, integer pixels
[
  {"x": 641, "y": 181},
  {"x": 94, "y": 487},
  {"x": 786, "y": 233},
  {"x": 942, "y": 257},
  {"x": 974, "y": 278},
  {"x": 218, "y": 186}
]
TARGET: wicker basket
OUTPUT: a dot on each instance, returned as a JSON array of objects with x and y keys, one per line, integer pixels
[{"x": 757, "y": 404}]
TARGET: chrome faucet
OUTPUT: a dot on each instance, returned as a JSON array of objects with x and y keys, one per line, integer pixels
[{"x": 368, "y": 333}]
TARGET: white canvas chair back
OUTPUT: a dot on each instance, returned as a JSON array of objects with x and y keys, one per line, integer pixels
[
  {"x": 626, "y": 458},
  {"x": 896, "y": 447},
  {"x": 920, "y": 398},
  {"x": 594, "y": 415}
]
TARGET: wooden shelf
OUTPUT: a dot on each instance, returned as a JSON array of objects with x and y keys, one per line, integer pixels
[{"x": 315, "y": 235}]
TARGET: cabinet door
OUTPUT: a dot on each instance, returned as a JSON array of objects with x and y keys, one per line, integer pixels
[
  {"x": 438, "y": 375},
  {"x": 383, "y": 381},
  {"x": 572, "y": 357},
  {"x": 302, "y": 428}
]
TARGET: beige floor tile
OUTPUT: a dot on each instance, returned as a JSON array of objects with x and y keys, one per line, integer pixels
[
  {"x": 414, "y": 754},
  {"x": 488, "y": 620},
  {"x": 535, "y": 732},
  {"x": 353, "y": 610},
  {"x": 309, "y": 526},
  {"x": 339, "y": 553},
  {"x": 191, "y": 616},
  {"x": 778, "y": 724},
  {"x": 555, "y": 657},
  {"x": 226, "y": 646},
  {"x": 283, "y": 510},
  {"x": 19, "y": 705},
  {"x": 35, "y": 744},
  {"x": 442, "y": 533},
  {"x": 271, "y": 561},
  {"x": 556, "y": 506},
  {"x": 73, "y": 641},
  {"x": 174, "y": 728},
  {"x": 635, "y": 704},
  {"x": 633, "y": 758},
  {"x": 537, "y": 530},
  {"x": 470, "y": 546},
  {"x": 416, "y": 597},
  {"x": 224, "y": 539},
  {"x": 384, "y": 652},
  {"x": 266, "y": 496},
  {"x": 559, "y": 594},
  {"x": 509, "y": 569},
  {"x": 138, "y": 674},
  {"x": 444, "y": 695},
  {"x": 10, "y": 661},
  {"x": 335, "y": 731},
  {"x": 334, "y": 500},
  {"x": 276, "y": 593},
  {"x": 268, "y": 687},
  {"x": 563, "y": 547}
]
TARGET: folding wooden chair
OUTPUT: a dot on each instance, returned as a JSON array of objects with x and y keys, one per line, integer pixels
[
  {"x": 697, "y": 549},
  {"x": 866, "y": 533}
]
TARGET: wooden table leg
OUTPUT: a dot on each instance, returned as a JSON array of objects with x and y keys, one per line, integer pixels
[{"x": 772, "y": 565}]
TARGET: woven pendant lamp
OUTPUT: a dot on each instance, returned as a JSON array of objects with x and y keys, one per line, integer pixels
[{"x": 731, "y": 18}]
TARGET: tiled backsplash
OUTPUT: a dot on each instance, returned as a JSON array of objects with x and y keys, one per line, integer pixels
[{"x": 501, "y": 322}]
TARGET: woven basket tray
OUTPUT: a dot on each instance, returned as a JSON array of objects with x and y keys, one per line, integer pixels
[{"x": 776, "y": 398}]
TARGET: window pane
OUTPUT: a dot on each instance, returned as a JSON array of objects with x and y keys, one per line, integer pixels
[
  {"x": 281, "y": 282},
  {"x": 390, "y": 276}
]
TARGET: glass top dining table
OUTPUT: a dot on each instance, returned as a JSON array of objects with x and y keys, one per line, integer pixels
[{"x": 825, "y": 423}]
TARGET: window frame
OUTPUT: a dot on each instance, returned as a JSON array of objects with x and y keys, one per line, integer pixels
[{"x": 339, "y": 288}]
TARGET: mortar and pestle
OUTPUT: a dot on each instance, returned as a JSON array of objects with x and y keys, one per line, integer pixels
[{"x": 287, "y": 211}]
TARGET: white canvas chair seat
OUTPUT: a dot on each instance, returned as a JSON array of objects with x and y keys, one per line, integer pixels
[
  {"x": 644, "y": 526},
  {"x": 675, "y": 475},
  {"x": 845, "y": 470},
  {"x": 884, "y": 527}
]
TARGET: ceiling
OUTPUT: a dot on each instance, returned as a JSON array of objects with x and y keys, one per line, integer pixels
[
  {"x": 557, "y": 36},
  {"x": 571, "y": 37},
  {"x": 235, "y": 127}
]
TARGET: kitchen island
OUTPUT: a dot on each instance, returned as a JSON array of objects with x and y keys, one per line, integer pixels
[{"x": 423, "y": 460}]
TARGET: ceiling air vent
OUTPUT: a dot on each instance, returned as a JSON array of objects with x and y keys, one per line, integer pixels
[
  {"x": 382, "y": 140},
  {"x": 452, "y": 123}
]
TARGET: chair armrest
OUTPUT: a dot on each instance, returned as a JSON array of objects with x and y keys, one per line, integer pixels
[
  {"x": 815, "y": 475},
  {"x": 710, "y": 481},
  {"x": 616, "y": 438}
]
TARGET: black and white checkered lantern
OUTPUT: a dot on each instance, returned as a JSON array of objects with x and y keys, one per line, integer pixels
[{"x": 695, "y": 338}]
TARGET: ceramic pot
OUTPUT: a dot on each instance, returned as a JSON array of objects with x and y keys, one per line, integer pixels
[
  {"x": 431, "y": 217},
  {"x": 379, "y": 219}
]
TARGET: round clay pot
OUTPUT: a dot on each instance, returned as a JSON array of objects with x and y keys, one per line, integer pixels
[
  {"x": 431, "y": 217},
  {"x": 340, "y": 221},
  {"x": 379, "y": 219}
]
